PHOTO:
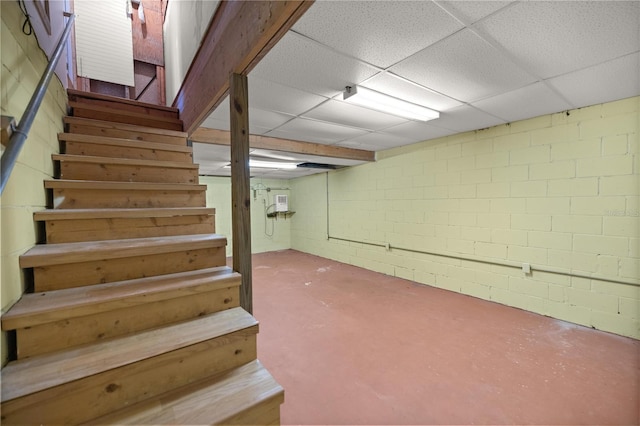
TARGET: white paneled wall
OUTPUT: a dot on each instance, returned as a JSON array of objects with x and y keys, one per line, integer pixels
[{"x": 104, "y": 45}]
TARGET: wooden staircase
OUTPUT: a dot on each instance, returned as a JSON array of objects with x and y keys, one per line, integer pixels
[{"x": 134, "y": 316}]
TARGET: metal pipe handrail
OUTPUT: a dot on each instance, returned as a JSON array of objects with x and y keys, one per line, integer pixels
[{"x": 19, "y": 135}]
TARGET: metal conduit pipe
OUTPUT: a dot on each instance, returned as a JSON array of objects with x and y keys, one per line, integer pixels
[{"x": 508, "y": 263}]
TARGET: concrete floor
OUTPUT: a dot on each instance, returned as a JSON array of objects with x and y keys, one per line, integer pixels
[{"x": 352, "y": 346}]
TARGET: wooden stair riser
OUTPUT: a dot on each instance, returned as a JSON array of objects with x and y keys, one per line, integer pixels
[
  {"x": 108, "y": 114},
  {"x": 121, "y": 130},
  {"x": 75, "y": 230},
  {"x": 138, "y": 108},
  {"x": 77, "y": 170},
  {"x": 81, "y": 198},
  {"x": 266, "y": 412},
  {"x": 103, "y": 393},
  {"x": 132, "y": 152},
  {"x": 247, "y": 395},
  {"x": 68, "y": 275},
  {"x": 72, "y": 332}
]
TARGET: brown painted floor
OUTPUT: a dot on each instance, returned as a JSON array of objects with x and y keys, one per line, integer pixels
[{"x": 352, "y": 346}]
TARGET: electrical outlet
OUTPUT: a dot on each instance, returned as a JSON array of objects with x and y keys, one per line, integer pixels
[
  {"x": 526, "y": 268},
  {"x": 387, "y": 246}
]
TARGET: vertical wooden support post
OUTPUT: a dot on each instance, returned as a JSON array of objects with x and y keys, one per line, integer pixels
[{"x": 240, "y": 192}]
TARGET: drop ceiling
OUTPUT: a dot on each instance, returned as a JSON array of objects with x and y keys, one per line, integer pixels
[{"x": 480, "y": 63}]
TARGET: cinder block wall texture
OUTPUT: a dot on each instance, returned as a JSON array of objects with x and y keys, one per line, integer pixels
[
  {"x": 464, "y": 212},
  {"x": 23, "y": 63}
]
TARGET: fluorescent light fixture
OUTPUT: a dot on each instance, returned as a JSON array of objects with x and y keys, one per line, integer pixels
[
  {"x": 258, "y": 164},
  {"x": 371, "y": 99},
  {"x": 271, "y": 164}
]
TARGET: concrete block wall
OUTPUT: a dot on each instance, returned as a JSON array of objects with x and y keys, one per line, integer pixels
[
  {"x": 23, "y": 63},
  {"x": 560, "y": 192},
  {"x": 266, "y": 235}
]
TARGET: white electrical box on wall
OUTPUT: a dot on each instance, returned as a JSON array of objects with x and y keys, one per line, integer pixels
[{"x": 281, "y": 202}]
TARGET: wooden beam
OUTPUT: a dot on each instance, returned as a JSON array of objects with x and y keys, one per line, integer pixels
[
  {"x": 222, "y": 137},
  {"x": 239, "y": 36},
  {"x": 240, "y": 191}
]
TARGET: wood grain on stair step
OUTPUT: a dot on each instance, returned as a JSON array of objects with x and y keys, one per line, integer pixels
[
  {"x": 122, "y": 104},
  {"x": 88, "y": 126},
  {"x": 245, "y": 395},
  {"x": 82, "y": 383},
  {"x": 40, "y": 308},
  {"x": 81, "y": 167},
  {"x": 67, "y": 265},
  {"x": 71, "y": 194},
  {"x": 96, "y": 112},
  {"x": 65, "y": 226},
  {"x": 55, "y": 254},
  {"x": 55, "y": 320},
  {"x": 100, "y": 146}
]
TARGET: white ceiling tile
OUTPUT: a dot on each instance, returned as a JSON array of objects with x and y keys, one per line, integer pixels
[
  {"x": 352, "y": 115},
  {"x": 213, "y": 123},
  {"x": 225, "y": 172},
  {"x": 617, "y": 79},
  {"x": 315, "y": 131},
  {"x": 556, "y": 37},
  {"x": 302, "y": 64},
  {"x": 221, "y": 112},
  {"x": 259, "y": 118},
  {"x": 205, "y": 153},
  {"x": 472, "y": 11},
  {"x": 260, "y": 121},
  {"x": 417, "y": 132},
  {"x": 397, "y": 27},
  {"x": 257, "y": 130},
  {"x": 509, "y": 106},
  {"x": 463, "y": 67},
  {"x": 375, "y": 141},
  {"x": 268, "y": 95},
  {"x": 465, "y": 118},
  {"x": 397, "y": 87}
]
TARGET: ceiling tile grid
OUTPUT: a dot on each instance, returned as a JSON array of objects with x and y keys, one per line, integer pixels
[
  {"x": 479, "y": 63},
  {"x": 398, "y": 28}
]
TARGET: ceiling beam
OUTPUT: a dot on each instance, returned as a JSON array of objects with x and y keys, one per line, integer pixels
[
  {"x": 239, "y": 36},
  {"x": 222, "y": 137}
]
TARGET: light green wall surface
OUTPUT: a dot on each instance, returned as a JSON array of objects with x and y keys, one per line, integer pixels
[
  {"x": 558, "y": 191},
  {"x": 23, "y": 62},
  {"x": 267, "y": 234}
]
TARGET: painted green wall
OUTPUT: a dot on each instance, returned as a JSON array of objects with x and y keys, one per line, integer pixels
[
  {"x": 267, "y": 234},
  {"x": 23, "y": 62},
  {"x": 558, "y": 191}
]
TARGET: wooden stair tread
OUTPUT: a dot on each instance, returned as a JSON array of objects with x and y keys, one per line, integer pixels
[
  {"x": 123, "y": 126},
  {"x": 72, "y": 214},
  {"x": 99, "y": 96},
  {"x": 40, "y": 308},
  {"x": 97, "y": 184},
  {"x": 130, "y": 114},
  {"x": 133, "y": 143},
  {"x": 214, "y": 400},
  {"x": 42, "y": 372},
  {"x": 63, "y": 253},
  {"x": 124, "y": 161}
]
